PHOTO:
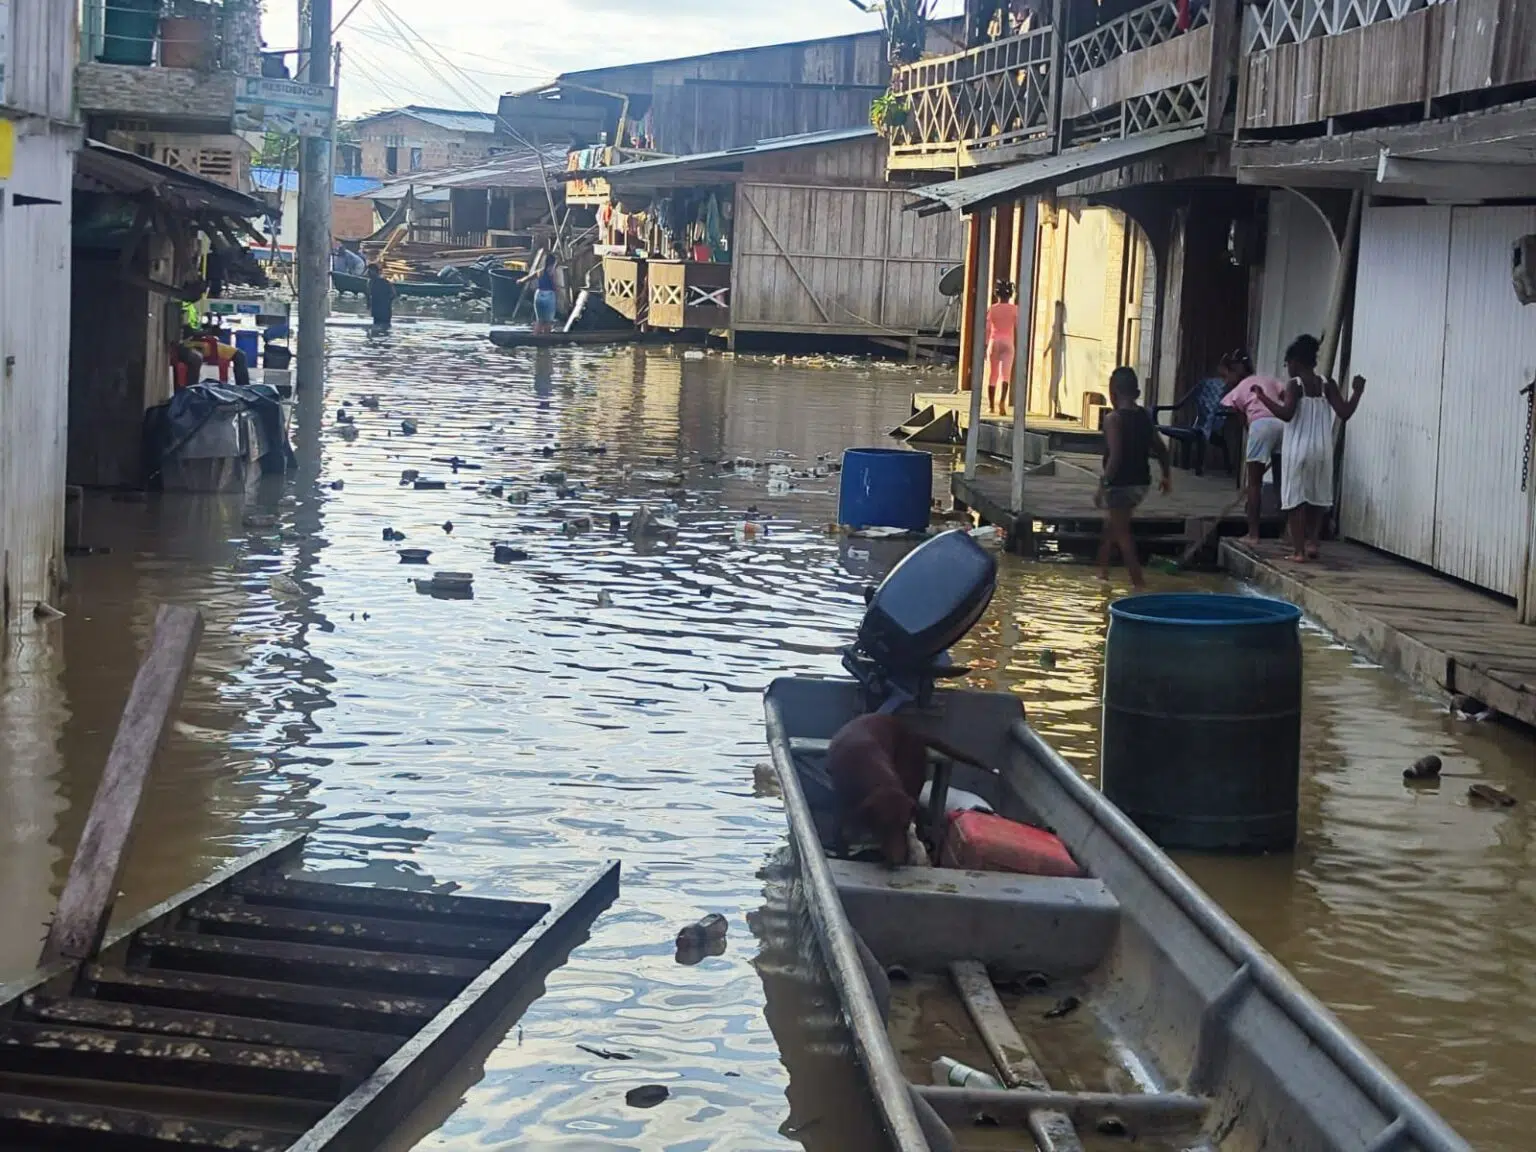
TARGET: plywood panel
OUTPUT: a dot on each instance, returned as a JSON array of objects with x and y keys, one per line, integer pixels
[
  {"x": 1481, "y": 519},
  {"x": 1392, "y": 445},
  {"x": 1300, "y": 257}
]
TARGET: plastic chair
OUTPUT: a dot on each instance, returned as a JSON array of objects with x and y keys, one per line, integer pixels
[{"x": 1204, "y": 428}]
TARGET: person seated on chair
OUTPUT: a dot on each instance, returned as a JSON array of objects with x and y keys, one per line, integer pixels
[{"x": 204, "y": 343}]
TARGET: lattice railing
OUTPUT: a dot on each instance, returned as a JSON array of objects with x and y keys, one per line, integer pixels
[
  {"x": 1181, "y": 106},
  {"x": 988, "y": 96},
  {"x": 1275, "y": 22},
  {"x": 1143, "y": 27}
]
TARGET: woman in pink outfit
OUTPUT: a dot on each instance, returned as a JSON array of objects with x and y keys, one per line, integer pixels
[
  {"x": 1264, "y": 429},
  {"x": 1002, "y": 323}
]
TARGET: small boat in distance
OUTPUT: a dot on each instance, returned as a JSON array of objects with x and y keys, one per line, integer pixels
[
  {"x": 267, "y": 1011},
  {"x": 1118, "y": 1002},
  {"x": 347, "y": 284}
]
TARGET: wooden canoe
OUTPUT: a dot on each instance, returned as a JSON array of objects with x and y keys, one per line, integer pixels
[
  {"x": 266, "y": 1011},
  {"x": 1128, "y": 984},
  {"x": 523, "y": 338}
]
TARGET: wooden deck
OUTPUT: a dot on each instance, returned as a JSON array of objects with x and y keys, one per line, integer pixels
[
  {"x": 1442, "y": 635},
  {"x": 1059, "y": 509},
  {"x": 997, "y": 431}
]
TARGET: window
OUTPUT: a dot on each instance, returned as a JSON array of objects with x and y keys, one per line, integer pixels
[
  {"x": 391, "y": 160},
  {"x": 415, "y": 159}
]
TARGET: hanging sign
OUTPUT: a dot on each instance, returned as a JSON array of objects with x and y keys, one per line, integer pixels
[
  {"x": 266, "y": 104},
  {"x": 7, "y": 149}
]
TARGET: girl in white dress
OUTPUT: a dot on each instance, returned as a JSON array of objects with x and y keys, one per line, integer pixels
[{"x": 1306, "y": 450}]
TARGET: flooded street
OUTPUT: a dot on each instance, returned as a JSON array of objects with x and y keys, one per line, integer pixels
[{"x": 601, "y": 700}]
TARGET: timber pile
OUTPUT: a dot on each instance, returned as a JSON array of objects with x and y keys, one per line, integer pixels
[{"x": 414, "y": 260}]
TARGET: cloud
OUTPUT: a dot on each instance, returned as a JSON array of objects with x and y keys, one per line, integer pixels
[{"x": 465, "y": 53}]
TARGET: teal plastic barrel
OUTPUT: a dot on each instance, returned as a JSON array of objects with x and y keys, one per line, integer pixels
[
  {"x": 1202, "y": 719},
  {"x": 129, "y": 31},
  {"x": 885, "y": 488}
]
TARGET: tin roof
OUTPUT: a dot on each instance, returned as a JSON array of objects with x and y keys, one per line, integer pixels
[
  {"x": 726, "y": 157},
  {"x": 266, "y": 180},
  {"x": 451, "y": 119}
]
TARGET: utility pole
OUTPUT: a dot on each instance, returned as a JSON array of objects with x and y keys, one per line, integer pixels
[{"x": 314, "y": 247}]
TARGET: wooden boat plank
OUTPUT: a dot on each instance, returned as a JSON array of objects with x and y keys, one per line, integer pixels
[
  {"x": 394, "y": 903},
  {"x": 92, "y": 1126},
  {"x": 272, "y": 999},
  {"x": 309, "y": 963},
  {"x": 334, "y": 928},
  {"x": 136, "y": 1058},
  {"x": 205, "y": 1025},
  {"x": 377, "y": 1106}
]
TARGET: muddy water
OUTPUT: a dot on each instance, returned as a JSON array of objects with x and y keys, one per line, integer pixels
[{"x": 601, "y": 700}]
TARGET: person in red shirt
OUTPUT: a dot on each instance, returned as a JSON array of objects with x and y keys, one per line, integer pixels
[{"x": 1002, "y": 323}]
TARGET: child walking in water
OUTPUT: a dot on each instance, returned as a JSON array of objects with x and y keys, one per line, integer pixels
[
  {"x": 1002, "y": 323},
  {"x": 1306, "y": 448},
  {"x": 1130, "y": 438}
]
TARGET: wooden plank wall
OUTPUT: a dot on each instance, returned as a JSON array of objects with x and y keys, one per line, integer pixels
[
  {"x": 34, "y": 368},
  {"x": 43, "y": 47},
  {"x": 1445, "y": 49}
]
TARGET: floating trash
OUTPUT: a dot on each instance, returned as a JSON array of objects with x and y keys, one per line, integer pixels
[
  {"x": 413, "y": 555},
  {"x": 408, "y": 427},
  {"x": 369, "y": 401},
  {"x": 507, "y": 554},
  {"x": 424, "y": 485},
  {"x": 285, "y": 586},
  {"x": 409, "y": 475},
  {"x": 552, "y": 477},
  {"x": 448, "y": 526},
  {"x": 1424, "y": 768},
  {"x": 647, "y": 1095},
  {"x": 259, "y": 520},
  {"x": 337, "y": 485},
  {"x": 693, "y": 354}
]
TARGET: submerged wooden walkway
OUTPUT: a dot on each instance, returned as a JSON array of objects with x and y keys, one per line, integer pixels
[
  {"x": 1059, "y": 509},
  {"x": 1442, "y": 635}
]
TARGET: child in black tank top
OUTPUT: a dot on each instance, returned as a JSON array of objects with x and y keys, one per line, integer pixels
[{"x": 1130, "y": 439}]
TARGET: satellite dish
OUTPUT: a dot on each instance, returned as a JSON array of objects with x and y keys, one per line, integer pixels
[{"x": 952, "y": 283}]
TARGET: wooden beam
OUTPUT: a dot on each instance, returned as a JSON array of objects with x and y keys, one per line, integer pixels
[
  {"x": 982, "y": 298},
  {"x": 1443, "y": 179},
  {"x": 86, "y": 903},
  {"x": 968, "y": 301},
  {"x": 1052, "y": 1130},
  {"x": 1027, "y": 238}
]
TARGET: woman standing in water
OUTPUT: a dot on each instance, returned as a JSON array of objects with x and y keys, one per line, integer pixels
[
  {"x": 1002, "y": 323},
  {"x": 1306, "y": 448}
]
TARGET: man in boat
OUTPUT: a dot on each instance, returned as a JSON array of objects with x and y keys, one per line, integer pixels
[{"x": 381, "y": 297}]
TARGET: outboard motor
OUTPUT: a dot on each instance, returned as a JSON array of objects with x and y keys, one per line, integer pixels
[{"x": 931, "y": 599}]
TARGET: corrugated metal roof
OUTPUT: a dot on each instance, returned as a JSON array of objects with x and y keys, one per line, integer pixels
[
  {"x": 266, "y": 180},
  {"x": 729, "y": 155},
  {"x": 102, "y": 168},
  {"x": 972, "y": 192},
  {"x": 451, "y": 119},
  {"x": 516, "y": 168}
]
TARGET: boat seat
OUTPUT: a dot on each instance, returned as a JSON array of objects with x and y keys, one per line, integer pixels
[{"x": 1062, "y": 926}]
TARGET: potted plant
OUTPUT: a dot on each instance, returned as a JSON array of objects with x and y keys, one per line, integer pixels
[{"x": 889, "y": 112}]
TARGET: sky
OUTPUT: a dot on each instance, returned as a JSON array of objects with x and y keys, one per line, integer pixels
[{"x": 497, "y": 46}]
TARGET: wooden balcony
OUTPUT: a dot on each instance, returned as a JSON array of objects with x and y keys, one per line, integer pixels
[
  {"x": 1327, "y": 63},
  {"x": 987, "y": 105},
  {"x": 1141, "y": 72}
]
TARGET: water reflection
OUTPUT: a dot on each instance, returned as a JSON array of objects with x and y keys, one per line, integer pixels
[{"x": 601, "y": 699}]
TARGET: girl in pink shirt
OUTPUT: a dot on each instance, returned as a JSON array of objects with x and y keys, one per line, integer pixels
[
  {"x": 1002, "y": 323},
  {"x": 1265, "y": 431}
]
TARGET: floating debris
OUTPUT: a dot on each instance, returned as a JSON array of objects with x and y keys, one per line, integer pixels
[
  {"x": 369, "y": 401},
  {"x": 1424, "y": 768},
  {"x": 702, "y": 931},
  {"x": 645, "y": 523},
  {"x": 615, "y": 522},
  {"x": 337, "y": 485},
  {"x": 646, "y": 1096},
  {"x": 448, "y": 526},
  {"x": 548, "y": 449},
  {"x": 390, "y": 534},
  {"x": 413, "y": 555},
  {"x": 408, "y": 427},
  {"x": 1470, "y": 708},
  {"x": 553, "y": 477},
  {"x": 453, "y": 579},
  {"x": 1048, "y": 660},
  {"x": 346, "y": 431},
  {"x": 409, "y": 475},
  {"x": 495, "y": 489},
  {"x": 670, "y": 479},
  {"x": 424, "y": 485},
  {"x": 507, "y": 554},
  {"x": 605, "y": 1053},
  {"x": 693, "y": 354},
  {"x": 343, "y": 416},
  {"x": 43, "y": 610},
  {"x": 456, "y": 462},
  {"x": 285, "y": 586},
  {"x": 577, "y": 525},
  {"x": 1488, "y": 794},
  {"x": 259, "y": 520},
  {"x": 596, "y": 449}
]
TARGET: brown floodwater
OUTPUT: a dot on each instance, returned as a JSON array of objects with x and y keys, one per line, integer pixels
[{"x": 601, "y": 700}]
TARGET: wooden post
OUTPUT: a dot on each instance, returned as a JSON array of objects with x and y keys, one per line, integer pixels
[
  {"x": 86, "y": 903},
  {"x": 978, "y": 320},
  {"x": 1052, "y": 1130},
  {"x": 968, "y": 300},
  {"x": 1026, "y": 235},
  {"x": 1525, "y": 607}
]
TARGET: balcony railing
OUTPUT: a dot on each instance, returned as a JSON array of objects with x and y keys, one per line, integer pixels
[
  {"x": 196, "y": 35},
  {"x": 987, "y": 98},
  {"x": 1144, "y": 27},
  {"x": 1276, "y": 22}
]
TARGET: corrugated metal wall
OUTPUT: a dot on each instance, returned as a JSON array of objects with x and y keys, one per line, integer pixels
[
  {"x": 1490, "y": 354},
  {"x": 1432, "y": 458},
  {"x": 34, "y": 366},
  {"x": 822, "y": 258}
]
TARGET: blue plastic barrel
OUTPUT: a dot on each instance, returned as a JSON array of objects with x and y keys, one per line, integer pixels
[
  {"x": 1202, "y": 719},
  {"x": 248, "y": 340},
  {"x": 885, "y": 488}
]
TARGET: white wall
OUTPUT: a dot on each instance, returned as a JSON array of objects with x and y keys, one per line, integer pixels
[
  {"x": 1433, "y": 457},
  {"x": 34, "y": 364},
  {"x": 1300, "y": 255}
]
